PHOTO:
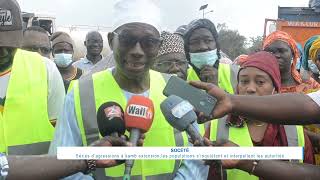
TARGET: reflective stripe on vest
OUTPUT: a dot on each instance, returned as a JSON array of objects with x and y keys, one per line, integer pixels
[
  {"x": 25, "y": 128},
  {"x": 88, "y": 89},
  {"x": 241, "y": 136},
  {"x": 227, "y": 77}
]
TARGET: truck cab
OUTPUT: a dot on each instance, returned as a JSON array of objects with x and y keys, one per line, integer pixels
[
  {"x": 300, "y": 22},
  {"x": 47, "y": 22}
]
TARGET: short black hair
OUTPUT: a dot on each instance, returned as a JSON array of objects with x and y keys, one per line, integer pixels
[{"x": 35, "y": 28}]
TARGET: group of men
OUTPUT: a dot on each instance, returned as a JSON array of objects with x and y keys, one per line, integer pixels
[{"x": 45, "y": 104}]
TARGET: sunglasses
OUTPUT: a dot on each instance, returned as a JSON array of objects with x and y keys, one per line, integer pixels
[{"x": 148, "y": 44}]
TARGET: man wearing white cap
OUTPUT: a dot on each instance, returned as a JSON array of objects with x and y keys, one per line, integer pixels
[
  {"x": 135, "y": 42},
  {"x": 31, "y": 90}
]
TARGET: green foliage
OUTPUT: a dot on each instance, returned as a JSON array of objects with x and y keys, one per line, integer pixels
[{"x": 234, "y": 44}]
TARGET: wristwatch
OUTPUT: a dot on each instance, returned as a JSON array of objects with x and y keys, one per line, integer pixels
[
  {"x": 4, "y": 166},
  {"x": 91, "y": 166}
]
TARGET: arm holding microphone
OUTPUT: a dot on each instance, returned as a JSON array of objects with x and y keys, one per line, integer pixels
[
  {"x": 138, "y": 118},
  {"x": 49, "y": 167},
  {"x": 180, "y": 115},
  {"x": 289, "y": 108}
]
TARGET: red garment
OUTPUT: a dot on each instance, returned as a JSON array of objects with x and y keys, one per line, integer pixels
[
  {"x": 305, "y": 87},
  {"x": 274, "y": 136}
]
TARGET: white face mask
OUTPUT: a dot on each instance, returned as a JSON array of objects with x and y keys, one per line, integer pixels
[
  {"x": 204, "y": 58},
  {"x": 313, "y": 67},
  {"x": 63, "y": 60}
]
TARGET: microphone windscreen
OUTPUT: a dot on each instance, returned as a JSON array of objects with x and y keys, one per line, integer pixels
[
  {"x": 139, "y": 113},
  {"x": 178, "y": 112},
  {"x": 110, "y": 119}
]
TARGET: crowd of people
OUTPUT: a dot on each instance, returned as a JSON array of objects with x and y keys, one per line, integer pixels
[{"x": 48, "y": 99}]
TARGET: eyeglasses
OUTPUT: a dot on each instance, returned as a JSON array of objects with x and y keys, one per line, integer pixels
[
  {"x": 43, "y": 50},
  {"x": 148, "y": 44},
  {"x": 168, "y": 64}
]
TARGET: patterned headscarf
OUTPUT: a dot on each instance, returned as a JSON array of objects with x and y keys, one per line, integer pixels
[
  {"x": 171, "y": 43},
  {"x": 314, "y": 49},
  {"x": 285, "y": 37},
  {"x": 306, "y": 49},
  {"x": 241, "y": 59}
]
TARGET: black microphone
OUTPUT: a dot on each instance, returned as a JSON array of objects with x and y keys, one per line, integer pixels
[
  {"x": 180, "y": 115},
  {"x": 110, "y": 119}
]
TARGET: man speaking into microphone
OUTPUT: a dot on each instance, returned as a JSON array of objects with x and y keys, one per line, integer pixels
[{"x": 135, "y": 41}]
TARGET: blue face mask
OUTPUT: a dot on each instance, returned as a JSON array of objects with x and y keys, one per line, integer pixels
[
  {"x": 63, "y": 60},
  {"x": 314, "y": 69},
  {"x": 204, "y": 58}
]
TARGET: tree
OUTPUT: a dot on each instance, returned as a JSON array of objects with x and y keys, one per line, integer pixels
[
  {"x": 231, "y": 42},
  {"x": 256, "y": 44}
]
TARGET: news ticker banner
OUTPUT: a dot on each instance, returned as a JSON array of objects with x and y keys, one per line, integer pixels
[{"x": 158, "y": 153}]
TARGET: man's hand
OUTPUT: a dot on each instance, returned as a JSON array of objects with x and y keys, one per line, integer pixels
[
  {"x": 113, "y": 141},
  {"x": 209, "y": 74},
  {"x": 223, "y": 106},
  {"x": 227, "y": 163}
]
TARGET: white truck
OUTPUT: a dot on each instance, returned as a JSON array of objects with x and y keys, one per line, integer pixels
[{"x": 77, "y": 32}]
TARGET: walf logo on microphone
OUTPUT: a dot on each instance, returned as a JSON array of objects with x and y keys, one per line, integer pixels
[{"x": 139, "y": 111}]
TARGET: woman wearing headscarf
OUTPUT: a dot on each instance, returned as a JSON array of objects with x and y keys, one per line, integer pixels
[
  {"x": 284, "y": 47},
  {"x": 314, "y": 56},
  {"x": 62, "y": 52},
  {"x": 240, "y": 59},
  {"x": 310, "y": 61},
  {"x": 259, "y": 76},
  {"x": 203, "y": 54}
]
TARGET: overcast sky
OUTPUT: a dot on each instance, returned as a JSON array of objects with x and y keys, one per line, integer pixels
[{"x": 247, "y": 16}]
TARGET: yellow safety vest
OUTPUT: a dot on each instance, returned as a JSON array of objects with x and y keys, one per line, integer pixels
[
  {"x": 227, "y": 80},
  {"x": 90, "y": 92},
  {"x": 241, "y": 136},
  {"x": 25, "y": 128}
]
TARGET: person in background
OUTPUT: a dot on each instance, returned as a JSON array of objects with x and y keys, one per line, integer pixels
[
  {"x": 94, "y": 45},
  {"x": 240, "y": 59},
  {"x": 171, "y": 57},
  {"x": 36, "y": 39},
  {"x": 31, "y": 90},
  {"x": 203, "y": 54},
  {"x": 181, "y": 30},
  {"x": 300, "y": 51},
  {"x": 307, "y": 66},
  {"x": 62, "y": 52},
  {"x": 283, "y": 46},
  {"x": 314, "y": 56},
  {"x": 259, "y": 76}
]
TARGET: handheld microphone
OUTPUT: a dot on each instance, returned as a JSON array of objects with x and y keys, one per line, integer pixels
[
  {"x": 110, "y": 119},
  {"x": 180, "y": 115},
  {"x": 138, "y": 119}
]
